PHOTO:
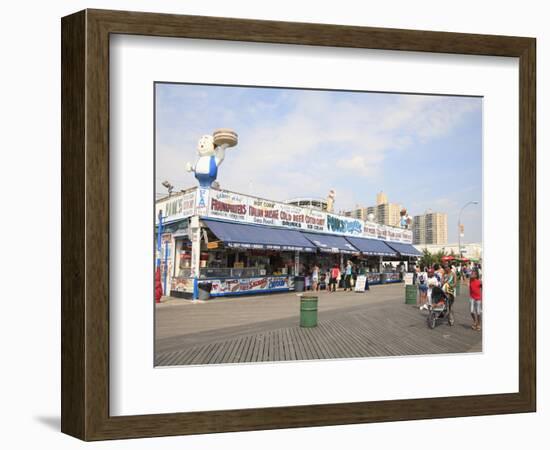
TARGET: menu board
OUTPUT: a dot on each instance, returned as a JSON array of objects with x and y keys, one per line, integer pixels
[
  {"x": 360, "y": 283},
  {"x": 230, "y": 206}
]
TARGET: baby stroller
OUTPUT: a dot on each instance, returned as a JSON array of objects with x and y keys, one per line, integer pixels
[{"x": 439, "y": 309}]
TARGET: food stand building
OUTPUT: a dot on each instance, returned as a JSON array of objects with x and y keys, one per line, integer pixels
[{"x": 240, "y": 244}]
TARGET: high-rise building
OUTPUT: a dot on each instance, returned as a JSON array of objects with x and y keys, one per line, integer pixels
[
  {"x": 381, "y": 198},
  {"x": 386, "y": 214},
  {"x": 430, "y": 228},
  {"x": 360, "y": 212}
]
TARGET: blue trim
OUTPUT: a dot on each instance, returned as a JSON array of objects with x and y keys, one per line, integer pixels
[
  {"x": 371, "y": 246},
  {"x": 257, "y": 291},
  {"x": 205, "y": 180},
  {"x": 244, "y": 278},
  {"x": 327, "y": 242},
  {"x": 195, "y": 289},
  {"x": 213, "y": 169}
]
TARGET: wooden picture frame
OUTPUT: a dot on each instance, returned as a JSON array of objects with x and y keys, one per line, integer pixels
[{"x": 85, "y": 224}]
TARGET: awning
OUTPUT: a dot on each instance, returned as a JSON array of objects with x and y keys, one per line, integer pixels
[
  {"x": 404, "y": 249},
  {"x": 328, "y": 243},
  {"x": 369, "y": 246},
  {"x": 258, "y": 236}
]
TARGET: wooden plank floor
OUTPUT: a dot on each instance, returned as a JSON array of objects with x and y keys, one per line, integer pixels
[{"x": 366, "y": 329}]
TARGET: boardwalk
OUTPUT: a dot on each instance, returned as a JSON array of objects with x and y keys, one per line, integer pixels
[{"x": 266, "y": 328}]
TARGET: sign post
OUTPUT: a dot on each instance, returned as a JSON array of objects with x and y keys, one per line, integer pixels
[
  {"x": 166, "y": 243},
  {"x": 360, "y": 283},
  {"x": 195, "y": 251},
  {"x": 158, "y": 284}
]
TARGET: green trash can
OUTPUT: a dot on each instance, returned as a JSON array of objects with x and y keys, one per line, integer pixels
[
  {"x": 410, "y": 294},
  {"x": 308, "y": 311}
]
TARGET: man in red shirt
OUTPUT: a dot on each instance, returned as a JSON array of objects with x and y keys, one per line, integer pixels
[{"x": 475, "y": 300}]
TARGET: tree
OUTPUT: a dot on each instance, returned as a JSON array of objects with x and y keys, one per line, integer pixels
[{"x": 427, "y": 258}]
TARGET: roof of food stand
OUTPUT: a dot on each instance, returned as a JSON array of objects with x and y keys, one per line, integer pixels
[
  {"x": 369, "y": 246},
  {"x": 331, "y": 243},
  {"x": 404, "y": 249},
  {"x": 258, "y": 236},
  {"x": 249, "y": 236}
]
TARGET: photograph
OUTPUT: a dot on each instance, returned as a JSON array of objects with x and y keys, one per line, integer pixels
[{"x": 296, "y": 224}]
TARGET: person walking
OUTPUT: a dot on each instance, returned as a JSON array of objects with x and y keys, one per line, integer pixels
[
  {"x": 465, "y": 273},
  {"x": 315, "y": 278},
  {"x": 334, "y": 277},
  {"x": 475, "y": 300},
  {"x": 449, "y": 284},
  {"x": 441, "y": 272},
  {"x": 401, "y": 270},
  {"x": 438, "y": 272},
  {"x": 347, "y": 277},
  {"x": 327, "y": 279}
]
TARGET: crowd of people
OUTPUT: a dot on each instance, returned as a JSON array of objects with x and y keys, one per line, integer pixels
[
  {"x": 330, "y": 278},
  {"x": 333, "y": 276},
  {"x": 437, "y": 281}
]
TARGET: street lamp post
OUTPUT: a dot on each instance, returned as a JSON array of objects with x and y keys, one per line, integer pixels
[
  {"x": 475, "y": 202},
  {"x": 168, "y": 186}
]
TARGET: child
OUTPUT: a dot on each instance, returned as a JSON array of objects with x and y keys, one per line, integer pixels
[
  {"x": 475, "y": 299},
  {"x": 438, "y": 296},
  {"x": 307, "y": 281},
  {"x": 422, "y": 278},
  {"x": 432, "y": 282}
]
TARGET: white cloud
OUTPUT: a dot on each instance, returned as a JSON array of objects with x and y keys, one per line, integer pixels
[
  {"x": 319, "y": 138},
  {"x": 362, "y": 164}
]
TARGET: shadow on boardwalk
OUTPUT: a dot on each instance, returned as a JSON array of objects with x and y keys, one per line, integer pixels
[{"x": 350, "y": 326}]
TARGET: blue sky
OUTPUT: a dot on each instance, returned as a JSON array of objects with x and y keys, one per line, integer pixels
[{"x": 423, "y": 151}]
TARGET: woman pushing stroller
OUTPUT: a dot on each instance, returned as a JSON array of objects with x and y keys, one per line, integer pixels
[
  {"x": 440, "y": 300},
  {"x": 449, "y": 284}
]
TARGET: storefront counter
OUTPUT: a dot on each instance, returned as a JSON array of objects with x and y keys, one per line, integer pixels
[
  {"x": 224, "y": 286},
  {"x": 383, "y": 278},
  {"x": 373, "y": 277},
  {"x": 254, "y": 285},
  {"x": 392, "y": 277}
]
